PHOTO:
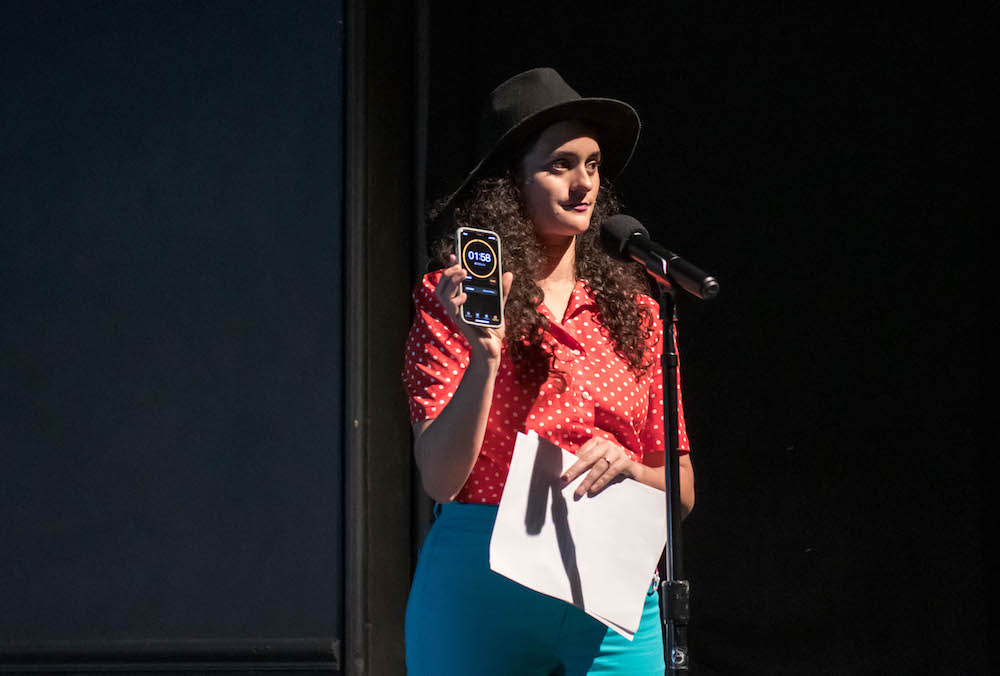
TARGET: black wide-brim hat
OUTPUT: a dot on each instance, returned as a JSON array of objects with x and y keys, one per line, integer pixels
[{"x": 526, "y": 104}]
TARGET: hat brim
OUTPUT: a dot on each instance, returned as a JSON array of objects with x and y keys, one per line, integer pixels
[{"x": 615, "y": 123}]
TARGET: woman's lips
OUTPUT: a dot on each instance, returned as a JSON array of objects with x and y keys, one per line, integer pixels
[{"x": 577, "y": 206}]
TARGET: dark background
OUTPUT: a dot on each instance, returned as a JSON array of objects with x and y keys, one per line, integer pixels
[
  {"x": 171, "y": 322},
  {"x": 172, "y": 312},
  {"x": 818, "y": 158}
]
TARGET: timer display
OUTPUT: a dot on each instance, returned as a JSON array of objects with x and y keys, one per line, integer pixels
[
  {"x": 480, "y": 257},
  {"x": 479, "y": 253}
]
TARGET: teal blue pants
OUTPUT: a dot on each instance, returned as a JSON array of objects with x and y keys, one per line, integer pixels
[{"x": 463, "y": 619}]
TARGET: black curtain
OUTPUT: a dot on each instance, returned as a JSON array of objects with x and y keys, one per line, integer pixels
[{"x": 819, "y": 160}]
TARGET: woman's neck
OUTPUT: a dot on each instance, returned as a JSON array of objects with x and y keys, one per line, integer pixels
[{"x": 558, "y": 262}]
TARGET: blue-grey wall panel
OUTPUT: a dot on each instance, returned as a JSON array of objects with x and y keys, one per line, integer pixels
[{"x": 170, "y": 343}]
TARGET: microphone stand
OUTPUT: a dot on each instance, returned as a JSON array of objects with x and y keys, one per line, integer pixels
[
  {"x": 628, "y": 239},
  {"x": 674, "y": 589}
]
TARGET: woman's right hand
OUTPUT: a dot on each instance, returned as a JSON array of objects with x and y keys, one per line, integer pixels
[{"x": 484, "y": 341}]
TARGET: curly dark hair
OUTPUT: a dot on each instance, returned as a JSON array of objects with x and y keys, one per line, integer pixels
[{"x": 495, "y": 202}]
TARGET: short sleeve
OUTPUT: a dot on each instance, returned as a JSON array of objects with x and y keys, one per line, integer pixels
[
  {"x": 436, "y": 354},
  {"x": 653, "y": 438}
]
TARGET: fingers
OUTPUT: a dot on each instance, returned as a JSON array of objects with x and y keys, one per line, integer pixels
[
  {"x": 598, "y": 479},
  {"x": 585, "y": 458},
  {"x": 605, "y": 462},
  {"x": 505, "y": 282},
  {"x": 447, "y": 289}
]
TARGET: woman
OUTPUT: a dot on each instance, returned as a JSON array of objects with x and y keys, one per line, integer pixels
[{"x": 576, "y": 361}]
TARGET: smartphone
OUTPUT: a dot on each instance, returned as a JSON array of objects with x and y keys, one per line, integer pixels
[{"x": 479, "y": 253}]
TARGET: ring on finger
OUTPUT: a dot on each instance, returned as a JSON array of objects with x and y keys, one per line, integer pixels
[{"x": 609, "y": 461}]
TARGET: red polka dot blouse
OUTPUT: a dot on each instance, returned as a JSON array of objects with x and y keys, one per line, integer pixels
[{"x": 590, "y": 393}]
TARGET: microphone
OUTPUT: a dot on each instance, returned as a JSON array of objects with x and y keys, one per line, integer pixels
[{"x": 625, "y": 238}]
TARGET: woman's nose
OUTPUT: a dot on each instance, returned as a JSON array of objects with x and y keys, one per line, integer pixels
[{"x": 582, "y": 179}]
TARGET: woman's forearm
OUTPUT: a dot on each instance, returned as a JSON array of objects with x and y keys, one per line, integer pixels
[
  {"x": 656, "y": 477},
  {"x": 446, "y": 450}
]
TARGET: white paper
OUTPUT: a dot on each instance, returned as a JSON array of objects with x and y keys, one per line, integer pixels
[{"x": 598, "y": 553}]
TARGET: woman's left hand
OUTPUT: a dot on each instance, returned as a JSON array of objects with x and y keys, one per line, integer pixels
[{"x": 606, "y": 461}]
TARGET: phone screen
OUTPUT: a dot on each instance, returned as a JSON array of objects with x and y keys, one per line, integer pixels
[{"x": 479, "y": 253}]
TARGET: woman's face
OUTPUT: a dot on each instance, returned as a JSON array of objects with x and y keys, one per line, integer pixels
[{"x": 561, "y": 180}]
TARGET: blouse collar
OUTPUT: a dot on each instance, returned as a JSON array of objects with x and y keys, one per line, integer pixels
[{"x": 579, "y": 299}]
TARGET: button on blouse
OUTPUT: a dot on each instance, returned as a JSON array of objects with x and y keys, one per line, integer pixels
[{"x": 591, "y": 391}]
